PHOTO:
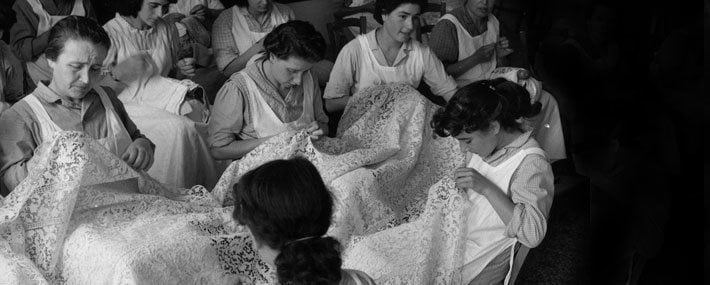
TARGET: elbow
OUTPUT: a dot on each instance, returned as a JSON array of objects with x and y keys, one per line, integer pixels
[
  {"x": 217, "y": 153},
  {"x": 535, "y": 237}
]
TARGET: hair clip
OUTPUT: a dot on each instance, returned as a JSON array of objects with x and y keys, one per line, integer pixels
[{"x": 491, "y": 87}]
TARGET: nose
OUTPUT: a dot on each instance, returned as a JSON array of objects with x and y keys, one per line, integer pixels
[
  {"x": 160, "y": 11},
  {"x": 296, "y": 79},
  {"x": 84, "y": 75},
  {"x": 409, "y": 23}
]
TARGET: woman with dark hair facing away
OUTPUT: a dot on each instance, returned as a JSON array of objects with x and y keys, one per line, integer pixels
[
  {"x": 507, "y": 176},
  {"x": 30, "y": 34},
  {"x": 274, "y": 94},
  {"x": 288, "y": 210},
  {"x": 387, "y": 55},
  {"x": 72, "y": 100},
  {"x": 238, "y": 33}
]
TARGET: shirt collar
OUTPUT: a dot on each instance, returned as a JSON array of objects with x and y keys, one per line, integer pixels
[
  {"x": 515, "y": 144},
  {"x": 48, "y": 95},
  {"x": 372, "y": 39}
]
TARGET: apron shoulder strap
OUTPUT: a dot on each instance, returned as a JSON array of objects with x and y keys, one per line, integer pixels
[{"x": 47, "y": 126}]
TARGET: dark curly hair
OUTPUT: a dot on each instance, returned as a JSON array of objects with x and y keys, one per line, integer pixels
[
  {"x": 75, "y": 27},
  {"x": 476, "y": 105},
  {"x": 130, "y": 8},
  {"x": 295, "y": 38},
  {"x": 384, "y": 7},
  {"x": 287, "y": 206}
]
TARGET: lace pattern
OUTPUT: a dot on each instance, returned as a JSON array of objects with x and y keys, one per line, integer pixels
[{"x": 84, "y": 216}]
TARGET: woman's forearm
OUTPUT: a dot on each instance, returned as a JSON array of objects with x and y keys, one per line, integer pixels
[
  {"x": 461, "y": 67},
  {"x": 236, "y": 149}
]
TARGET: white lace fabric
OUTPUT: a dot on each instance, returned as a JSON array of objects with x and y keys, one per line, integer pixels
[
  {"x": 89, "y": 218},
  {"x": 83, "y": 216},
  {"x": 397, "y": 211}
]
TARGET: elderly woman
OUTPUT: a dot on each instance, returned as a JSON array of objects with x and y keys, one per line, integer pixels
[
  {"x": 274, "y": 94},
  {"x": 30, "y": 34},
  {"x": 467, "y": 42},
  {"x": 387, "y": 55},
  {"x": 70, "y": 101},
  {"x": 238, "y": 32}
]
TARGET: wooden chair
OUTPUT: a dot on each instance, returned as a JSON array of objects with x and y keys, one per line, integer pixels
[
  {"x": 422, "y": 29},
  {"x": 339, "y": 30}
]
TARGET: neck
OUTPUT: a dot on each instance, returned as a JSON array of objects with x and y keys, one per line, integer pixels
[
  {"x": 385, "y": 42},
  {"x": 505, "y": 138},
  {"x": 477, "y": 20},
  {"x": 136, "y": 23},
  {"x": 266, "y": 69},
  {"x": 255, "y": 13},
  {"x": 54, "y": 89}
]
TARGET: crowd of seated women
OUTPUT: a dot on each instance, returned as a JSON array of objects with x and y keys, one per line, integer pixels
[{"x": 140, "y": 86}]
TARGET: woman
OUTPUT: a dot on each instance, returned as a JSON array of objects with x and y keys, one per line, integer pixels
[
  {"x": 139, "y": 27},
  {"x": 506, "y": 193},
  {"x": 467, "y": 41},
  {"x": 274, "y": 94},
  {"x": 143, "y": 63},
  {"x": 238, "y": 33},
  {"x": 288, "y": 210},
  {"x": 387, "y": 55},
  {"x": 29, "y": 36},
  {"x": 71, "y": 101}
]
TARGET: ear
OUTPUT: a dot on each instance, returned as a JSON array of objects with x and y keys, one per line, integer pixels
[
  {"x": 51, "y": 63},
  {"x": 494, "y": 128}
]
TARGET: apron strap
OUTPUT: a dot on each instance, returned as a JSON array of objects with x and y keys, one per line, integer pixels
[{"x": 47, "y": 126}]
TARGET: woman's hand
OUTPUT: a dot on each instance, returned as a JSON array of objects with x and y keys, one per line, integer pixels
[
  {"x": 503, "y": 47},
  {"x": 186, "y": 66},
  {"x": 314, "y": 131},
  {"x": 484, "y": 53},
  {"x": 199, "y": 11},
  {"x": 139, "y": 154},
  {"x": 469, "y": 179}
]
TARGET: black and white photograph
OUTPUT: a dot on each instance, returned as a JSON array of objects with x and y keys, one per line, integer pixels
[{"x": 353, "y": 142}]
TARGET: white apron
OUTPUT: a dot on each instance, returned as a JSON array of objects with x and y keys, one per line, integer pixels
[
  {"x": 240, "y": 28},
  {"x": 117, "y": 140},
  {"x": 127, "y": 41},
  {"x": 486, "y": 237},
  {"x": 372, "y": 73},
  {"x": 468, "y": 46},
  {"x": 39, "y": 69},
  {"x": 265, "y": 121}
]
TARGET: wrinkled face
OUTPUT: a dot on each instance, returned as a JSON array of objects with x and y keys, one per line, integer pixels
[
  {"x": 399, "y": 24},
  {"x": 481, "y": 142},
  {"x": 289, "y": 72},
  {"x": 151, "y": 10},
  {"x": 77, "y": 68},
  {"x": 259, "y": 6},
  {"x": 480, "y": 8}
]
